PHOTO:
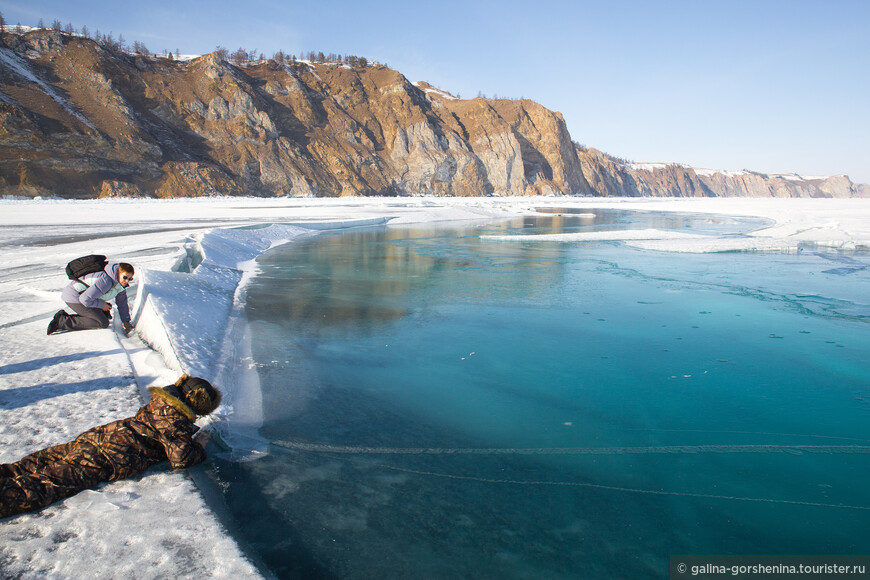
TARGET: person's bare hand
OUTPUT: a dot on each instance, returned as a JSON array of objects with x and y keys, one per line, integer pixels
[{"x": 202, "y": 436}]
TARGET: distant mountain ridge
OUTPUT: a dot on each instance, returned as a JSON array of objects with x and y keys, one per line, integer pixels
[
  {"x": 613, "y": 177},
  {"x": 81, "y": 120}
]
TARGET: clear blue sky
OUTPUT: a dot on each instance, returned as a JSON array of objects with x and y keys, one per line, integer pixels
[{"x": 777, "y": 86}]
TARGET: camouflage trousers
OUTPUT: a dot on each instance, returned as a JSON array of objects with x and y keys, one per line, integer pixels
[{"x": 50, "y": 475}]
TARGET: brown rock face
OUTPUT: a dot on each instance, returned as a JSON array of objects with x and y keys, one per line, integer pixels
[
  {"x": 82, "y": 121},
  {"x": 611, "y": 177},
  {"x": 79, "y": 120}
]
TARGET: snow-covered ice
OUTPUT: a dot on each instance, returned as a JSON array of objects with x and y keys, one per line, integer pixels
[
  {"x": 838, "y": 224},
  {"x": 192, "y": 263}
]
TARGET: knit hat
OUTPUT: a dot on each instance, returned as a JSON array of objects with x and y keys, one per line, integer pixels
[{"x": 198, "y": 394}]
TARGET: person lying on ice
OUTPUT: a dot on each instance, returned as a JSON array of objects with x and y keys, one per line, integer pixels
[
  {"x": 89, "y": 298},
  {"x": 162, "y": 429}
]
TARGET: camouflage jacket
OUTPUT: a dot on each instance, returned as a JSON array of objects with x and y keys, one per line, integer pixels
[{"x": 162, "y": 429}]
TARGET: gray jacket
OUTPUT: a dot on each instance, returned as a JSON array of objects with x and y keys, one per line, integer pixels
[{"x": 98, "y": 289}]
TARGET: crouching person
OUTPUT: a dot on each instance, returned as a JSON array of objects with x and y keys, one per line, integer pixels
[
  {"x": 163, "y": 429},
  {"x": 90, "y": 298}
]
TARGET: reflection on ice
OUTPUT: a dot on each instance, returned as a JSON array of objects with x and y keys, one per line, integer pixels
[
  {"x": 709, "y": 236},
  {"x": 674, "y": 241},
  {"x": 648, "y": 234}
]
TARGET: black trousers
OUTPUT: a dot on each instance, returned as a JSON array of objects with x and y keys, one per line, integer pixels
[{"x": 84, "y": 318}]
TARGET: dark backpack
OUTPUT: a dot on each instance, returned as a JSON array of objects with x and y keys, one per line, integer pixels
[{"x": 85, "y": 265}]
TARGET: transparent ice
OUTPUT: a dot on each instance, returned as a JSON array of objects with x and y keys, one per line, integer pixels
[{"x": 443, "y": 405}]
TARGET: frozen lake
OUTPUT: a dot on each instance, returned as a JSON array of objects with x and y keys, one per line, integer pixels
[{"x": 447, "y": 405}]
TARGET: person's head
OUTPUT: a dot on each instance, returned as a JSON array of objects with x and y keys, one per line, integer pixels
[
  {"x": 198, "y": 394},
  {"x": 125, "y": 274}
]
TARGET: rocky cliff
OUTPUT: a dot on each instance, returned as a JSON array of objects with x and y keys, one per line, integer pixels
[
  {"x": 80, "y": 120},
  {"x": 612, "y": 177}
]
